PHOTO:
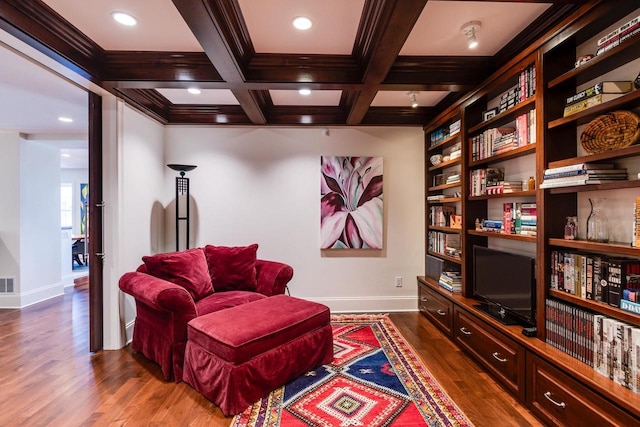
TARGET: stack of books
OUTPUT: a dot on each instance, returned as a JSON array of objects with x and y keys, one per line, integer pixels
[
  {"x": 504, "y": 187},
  {"x": 619, "y": 35},
  {"x": 454, "y": 127},
  {"x": 492, "y": 225},
  {"x": 451, "y": 281},
  {"x": 452, "y": 179},
  {"x": 595, "y": 95},
  {"x": 519, "y": 218},
  {"x": 582, "y": 174}
]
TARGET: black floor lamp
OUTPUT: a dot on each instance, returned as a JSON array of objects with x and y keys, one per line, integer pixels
[{"x": 182, "y": 189}]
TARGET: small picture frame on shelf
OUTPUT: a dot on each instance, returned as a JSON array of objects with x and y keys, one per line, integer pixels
[{"x": 486, "y": 115}]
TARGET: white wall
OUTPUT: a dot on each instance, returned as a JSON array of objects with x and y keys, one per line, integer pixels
[
  {"x": 40, "y": 276},
  {"x": 10, "y": 213},
  {"x": 262, "y": 185}
]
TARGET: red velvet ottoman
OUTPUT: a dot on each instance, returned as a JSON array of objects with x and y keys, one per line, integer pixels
[{"x": 237, "y": 355}]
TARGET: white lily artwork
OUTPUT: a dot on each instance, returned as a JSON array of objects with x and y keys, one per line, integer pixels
[{"x": 351, "y": 207}]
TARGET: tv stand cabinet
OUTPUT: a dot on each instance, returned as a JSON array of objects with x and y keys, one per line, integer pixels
[{"x": 553, "y": 385}]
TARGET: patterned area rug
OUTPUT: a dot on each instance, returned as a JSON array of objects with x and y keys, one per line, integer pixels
[{"x": 375, "y": 380}]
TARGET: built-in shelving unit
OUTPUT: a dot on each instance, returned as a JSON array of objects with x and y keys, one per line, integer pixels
[{"x": 545, "y": 373}]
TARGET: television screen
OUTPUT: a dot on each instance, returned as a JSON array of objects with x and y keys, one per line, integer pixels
[{"x": 507, "y": 282}]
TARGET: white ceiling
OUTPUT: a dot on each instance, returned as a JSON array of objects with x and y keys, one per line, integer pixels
[{"x": 31, "y": 99}]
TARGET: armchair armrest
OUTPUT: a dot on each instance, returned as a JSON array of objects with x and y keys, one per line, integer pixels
[
  {"x": 158, "y": 294},
  {"x": 272, "y": 277}
]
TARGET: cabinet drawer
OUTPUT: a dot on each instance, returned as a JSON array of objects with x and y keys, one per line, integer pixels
[
  {"x": 501, "y": 356},
  {"x": 560, "y": 400},
  {"x": 437, "y": 308}
]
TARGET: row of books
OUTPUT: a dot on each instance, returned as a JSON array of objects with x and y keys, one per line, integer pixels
[
  {"x": 635, "y": 241},
  {"x": 582, "y": 174},
  {"x": 519, "y": 218},
  {"x": 443, "y": 133},
  {"x": 481, "y": 179},
  {"x": 444, "y": 243},
  {"x": 611, "y": 347},
  {"x": 499, "y": 140},
  {"x": 451, "y": 281},
  {"x": 595, "y": 95},
  {"x": 595, "y": 277},
  {"x": 440, "y": 216},
  {"x": 525, "y": 88},
  {"x": 618, "y": 35}
]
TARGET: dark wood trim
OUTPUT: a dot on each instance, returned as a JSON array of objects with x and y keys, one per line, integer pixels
[
  {"x": 40, "y": 27},
  {"x": 96, "y": 327},
  {"x": 394, "y": 116},
  {"x": 304, "y": 115},
  {"x": 319, "y": 69},
  {"x": 180, "y": 67},
  {"x": 148, "y": 101},
  {"x": 385, "y": 25},
  {"x": 208, "y": 114},
  {"x": 455, "y": 73}
]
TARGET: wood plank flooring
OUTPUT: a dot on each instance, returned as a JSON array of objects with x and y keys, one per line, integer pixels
[{"x": 49, "y": 378}]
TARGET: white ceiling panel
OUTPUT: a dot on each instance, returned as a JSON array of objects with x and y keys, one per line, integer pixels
[
  {"x": 317, "y": 97},
  {"x": 207, "y": 96}
]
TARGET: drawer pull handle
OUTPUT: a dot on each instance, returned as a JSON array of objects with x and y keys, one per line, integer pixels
[
  {"x": 559, "y": 404},
  {"x": 496, "y": 356},
  {"x": 465, "y": 331},
  {"x": 423, "y": 299},
  {"x": 441, "y": 313}
]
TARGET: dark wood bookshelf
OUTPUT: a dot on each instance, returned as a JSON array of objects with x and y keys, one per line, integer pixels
[
  {"x": 511, "y": 113},
  {"x": 445, "y": 186},
  {"x": 523, "y": 193},
  {"x": 511, "y": 154},
  {"x": 445, "y": 229},
  {"x": 444, "y": 256},
  {"x": 446, "y": 164},
  {"x": 627, "y": 100},
  {"x": 447, "y": 142},
  {"x": 597, "y": 306},
  {"x": 585, "y": 245},
  {"x": 599, "y": 64},
  {"x": 631, "y": 151},
  {"x": 613, "y": 185},
  {"x": 444, "y": 201},
  {"x": 519, "y": 237}
]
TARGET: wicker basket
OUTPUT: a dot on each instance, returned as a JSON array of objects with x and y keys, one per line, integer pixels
[{"x": 611, "y": 131}]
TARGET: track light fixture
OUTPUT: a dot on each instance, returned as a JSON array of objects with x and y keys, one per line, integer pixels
[
  {"x": 469, "y": 30},
  {"x": 413, "y": 96}
]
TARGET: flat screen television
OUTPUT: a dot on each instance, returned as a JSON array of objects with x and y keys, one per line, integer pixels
[{"x": 507, "y": 284}]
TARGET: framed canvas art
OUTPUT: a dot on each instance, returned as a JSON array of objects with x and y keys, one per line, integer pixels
[{"x": 351, "y": 202}]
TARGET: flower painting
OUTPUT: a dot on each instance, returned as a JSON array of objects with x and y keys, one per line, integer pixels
[{"x": 351, "y": 202}]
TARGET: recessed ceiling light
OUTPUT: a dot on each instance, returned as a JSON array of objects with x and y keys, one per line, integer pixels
[
  {"x": 304, "y": 92},
  {"x": 65, "y": 155},
  {"x": 124, "y": 18},
  {"x": 302, "y": 23},
  {"x": 194, "y": 91},
  {"x": 65, "y": 119}
]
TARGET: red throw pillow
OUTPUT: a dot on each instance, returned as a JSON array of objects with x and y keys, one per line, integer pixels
[
  {"x": 232, "y": 268},
  {"x": 184, "y": 268}
]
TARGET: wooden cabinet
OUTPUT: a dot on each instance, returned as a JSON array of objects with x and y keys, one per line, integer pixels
[
  {"x": 559, "y": 400},
  {"x": 436, "y": 307},
  {"x": 500, "y": 355}
]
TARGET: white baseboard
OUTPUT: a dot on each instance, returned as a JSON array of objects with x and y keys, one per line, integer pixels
[
  {"x": 25, "y": 299},
  {"x": 368, "y": 304}
]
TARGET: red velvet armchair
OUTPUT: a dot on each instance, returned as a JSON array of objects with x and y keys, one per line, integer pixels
[{"x": 164, "y": 308}]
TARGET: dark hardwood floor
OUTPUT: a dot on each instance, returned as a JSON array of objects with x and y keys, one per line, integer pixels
[{"x": 49, "y": 378}]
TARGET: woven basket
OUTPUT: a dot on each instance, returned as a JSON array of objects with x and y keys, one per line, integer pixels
[{"x": 611, "y": 131}]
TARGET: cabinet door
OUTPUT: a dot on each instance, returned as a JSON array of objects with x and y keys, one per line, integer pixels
[
  {"x": 501, "y": 356},
  {"x": 559, "y": 400},
  {"x": 437, "y": 308}
]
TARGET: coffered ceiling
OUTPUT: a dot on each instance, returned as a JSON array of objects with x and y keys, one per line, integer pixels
[{"x": 359, "y": 59}]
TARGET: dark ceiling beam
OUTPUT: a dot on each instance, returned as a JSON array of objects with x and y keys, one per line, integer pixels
[
  {"x": 303, "y": 68},
  {"x": 185, "y": 67},
  {"x": 385, "y": 116},
  {"x": 148, "y": 101},
  {"x": 306, "y": 115},
  {"x": 39, "y": 26},
  {"x": 384, "y": 28},
  {"x": 443, "y": 70},
  {"x": 208, "y": 114},
  {"x": 218, "y": 26}
]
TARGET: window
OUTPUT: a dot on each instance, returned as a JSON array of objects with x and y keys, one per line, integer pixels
[{"x": 66, "y": 205}]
